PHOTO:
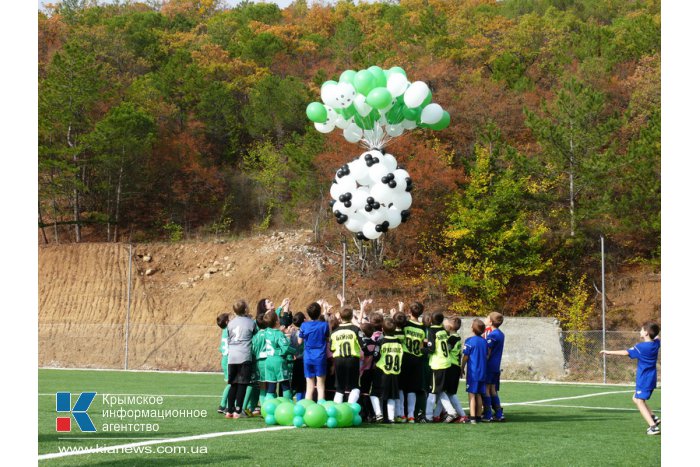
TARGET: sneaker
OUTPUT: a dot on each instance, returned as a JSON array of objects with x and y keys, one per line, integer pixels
[
  {"x": 436, "y": 420},
  {"x": 422, "y": 419},
  {"x": 463, "y": 419},
  {"x": 411, "y": 420},
  {"x": 256, "y": 412},
  {"x": 379, "y": 419},
  {"x": 390, "y": 422},
  {"x": 657, "y": 420},
  {"x": 450, "y": 418},
  {"x": 248, "y": 413},
  {"x": 221, "y": 409},
  {"x": 472, "y": 421},
  {"x": 400, "y": 419},
  {"x": 487, "y": 420},
  {"x": 654, "y": 430},
  {"x": 499, "y": 417},
  {"x": 229, "y": 415}
]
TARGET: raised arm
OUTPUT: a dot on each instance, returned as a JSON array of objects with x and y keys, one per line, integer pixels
[{"x": 615, "y": 352}]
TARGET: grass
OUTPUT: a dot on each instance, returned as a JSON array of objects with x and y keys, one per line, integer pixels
[{"x": 598, "y": 430}]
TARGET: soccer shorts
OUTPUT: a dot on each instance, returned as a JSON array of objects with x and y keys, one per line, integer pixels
[
  {"x": 314, "y": 368},
  {"x": 385, "y": 386},
  {"x": 276, "y": 370},
  {"x": 643, "y": 394},
  {"x": 298, "y": 380},
  {"x": 475, "y": 387},
  {"x": 347, "y": 373},
  {"x": 438, "y": 381},
  {"x": 452, "y": 379},
  {"x": 493, "y": 377},
  {"x": 240, "y": 373},
  {"x": 412, "y": 374}
]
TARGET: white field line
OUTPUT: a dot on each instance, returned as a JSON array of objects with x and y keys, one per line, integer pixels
[
  {"x": 592, "y": 408},
  {"x": 149, "y": 395},
  {"x": 566, "y": 398},
  {"x": 55, "y": 455},
  {"x": 133, "y": 371}
]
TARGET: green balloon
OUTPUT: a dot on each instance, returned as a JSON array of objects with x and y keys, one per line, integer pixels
[
  {"x": 428, "y": 98},
  {"x": 284, "y": 413},
  {"x": 306, "y": 403},
  {"x": 348, "y": 76},
  {"x": 443, "y": 123},
  {"x": 379, "y": 98},
  {"x": 395, "y": 115},
  {"x": 299, "y": 409},
  {"x": 396, "y": 69},
  {"x": 330, "y": 81},
  {"x": 367, "y": 122},
  {"x": 356, "y": 408},
  {"x": 345, "y": 414},
  {"x": 411, "y": 114},
  {"x": 270, "y": 419},
  {"x": 268, "y": 407},
  {"x": 332, "y": 422},
  {"x": 379, "y": 77},
  {"x": 315, "y": 416},
  {"x": 364, "y": 82},
  {"x": 357, "y": 420},
  {"x": 316, "y": 112},
  {"x": 347, "y": 113},
  {"x": 331, "y": 411},
  {"x": 298, "y": 421}
]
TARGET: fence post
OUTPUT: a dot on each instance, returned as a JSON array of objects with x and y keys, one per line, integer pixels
[
  {"x": 602, "y": 266},
  {"x": 345, "y": 247},
  {"x": 128, "y": 312}
]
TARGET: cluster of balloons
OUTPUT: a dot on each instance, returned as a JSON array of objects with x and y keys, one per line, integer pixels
[
  {"x": 375, "y": 105},
  {"x": 281, "y": 411},
  {"x": 371, "y": 195}
]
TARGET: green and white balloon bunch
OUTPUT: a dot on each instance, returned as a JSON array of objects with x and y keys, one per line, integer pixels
[{"x": 371, "y": 194}]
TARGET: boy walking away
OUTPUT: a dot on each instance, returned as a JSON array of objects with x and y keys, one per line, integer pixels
[
  {"x": 646, "y": 353},
  {"x": 495, "y": 340},
  {"x": 439, "y": 362},
  {"x": 389, "y": 351},
  {"x": 314, "y": 335},
  {"x": 475, "y": 350},
  {"x": 240, "y": 365},
  {"x": 347, "y": 348},
  {"x": 222, "y": 322}
]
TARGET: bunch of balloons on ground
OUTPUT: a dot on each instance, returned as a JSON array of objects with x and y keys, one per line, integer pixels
[
  {"x": 371, "y": 194},
  {"x": 282, "y": 411}
]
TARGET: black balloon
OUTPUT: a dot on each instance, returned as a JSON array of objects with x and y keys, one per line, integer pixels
[
  {"x": 370, "y": 200},
  {"x": 375, "y": 160},
  {"x": 337, "y": 213},
  {"x": 409, "y": 187},
  {"x": 368, "y": 207},
  {"x": 348, "y": 204},
  {"x": 379, "y": 228},
  {"x": 368, "y": 157},
  {"x": 385, "y": 179},
  {"x": 360, "y": 236},
  {"x": 375, "y": 205},
  {"x": 392, "y": 184},
  {"x": 348, "y": 195}
]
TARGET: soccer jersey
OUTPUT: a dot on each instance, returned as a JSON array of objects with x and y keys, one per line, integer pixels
[
  {"x": 414, "y": 335},
  {"x": 390, "y": 354},
  {"x": 475, "y": 348},
  {"x": 437, "y": 347},
  {"x": 276, "y": 349},
  {"x": 646, "y": 354},
  {"x": 240, "y": 334},
  {"x": 346, "y": 342},
  {"x": 495, "y": 341},
  {"x": 315, "y": 335},
  {"x": 454, "y": 349},
  {"x": 223, "y": 347}
]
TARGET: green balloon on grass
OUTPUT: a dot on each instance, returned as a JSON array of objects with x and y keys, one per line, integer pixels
[
  {"x": 348, "y": 76},
  {"x": 299, "y": 409},
  {"x": 332, "y": 422},
  {"x": 379, "y": 98},
  {"x": 356, "y": 420},
  {"x": 356, "y": 408},
  {"x": 316, "y": 112},
  {"x": 298, "y": 421},
  {"x": 331, "y": 411},
  {"x": 378, "y": 73},
  {"x": 268, "y": 407},
  {"x": 345, "y": 415},
  {"x": 306, "y": 403},
  {"x": 270, "y": 419},
  {"x": 442, "y": 123},
  {"x": 284, "y": 413},
  {"x": 364, "y": 82},
  {"x": 315, "y": 416}
]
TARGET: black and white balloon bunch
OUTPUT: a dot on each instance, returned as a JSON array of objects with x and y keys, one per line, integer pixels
[{"x": 371, "y": 195}]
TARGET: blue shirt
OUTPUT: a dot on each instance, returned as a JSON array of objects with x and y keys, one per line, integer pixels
[
  {"x": 476, "y": 348},
  {"x": 315, "y": 335},
  {"x": 646, "y": 354},
  {"x": 495, "y": 341}
]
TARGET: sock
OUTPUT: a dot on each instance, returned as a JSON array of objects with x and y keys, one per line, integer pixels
[
  {"x": 248, "y": 399},
  {"x": 272, "y": 389},
  {"x": 487, "y": 407},
  {"x": 438, "y": 407},
  {"x": 300, "y": 396},
  {"x": 338, "y": 398},
  {"x": 399, "y": 405},
  {"x": 232, "y": 398},
  {"x": 421, "y": 403},
  {"x": 445, "y": 401},
  {"x": 457, "y": 405},
  {"x": 376, "y": 405},
  {"x": 224, "y": 396},
  {"x": 240, "y": 395},
  {"x": 391, "y": 408},
  {"x": 287, "y": 394},
  {"x": 429, "y": 406},
  {"x": 496, "y": 402},
  {"x": 411, "y": 398},
  {"x": 354, "y": 396}
]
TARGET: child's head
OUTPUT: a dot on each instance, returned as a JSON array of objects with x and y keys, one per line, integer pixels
[
  {"x": 449, "y": 325},
  {"x": 651, "y": 329},
  {"x": 416, "y": 309},
  {"x": 222, "y": 320},
  {"x": 388, "y": 326},
  {"x": 260, "y": 320},
  {"x": 400, "y": 320},
  {"x": 494, "y": 319},
  {"x": 271, "y": 320},
  {"x": 333, "y": 323},
  {"x": 436, "y": 318},
  {"x": 367, "y": 329},
  {"x": 314, "y": 311},
  {"x": 346, "y": 314},
  {"x": 376, "y": 320},
  {"x": 240, "y": 308},
  {"x": 456, "y": 323},
  {"x": 265, "y": 304},
  {"x": 427, "y": 320},
  {"x": 478, "y": 327},
  {"x": 298, "y": 318}
]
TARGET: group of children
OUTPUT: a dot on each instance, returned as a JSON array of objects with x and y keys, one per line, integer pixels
[{"x": 401, "y": 367}]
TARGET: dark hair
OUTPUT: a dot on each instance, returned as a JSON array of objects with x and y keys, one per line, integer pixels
[
  {"x": 457, "y": 321},
  {"x": 496, "y": 318},
  {"x": 313, "y": 310},
  {"x": 270, "y": 319},
  {"x": 346, "y": 314},
  {"x": 400, "y": 319},
  {"x": 261, "y": 308},
  {"x": 416, "y": 309},
  {"x": 376, "y": 320},
  {"x": 260, "y": 321},
  {"x": 222, "y": 320},
  {"x": 240, "y": 307},
  {"x": 427, "y": 319},
  {"x": 478, "y": 327},
  {"x": 333, "y": 322},
  {"x": 367, "y": 329},
  {"x": 389, "y": 326},
  {"x": 298, "y": 318},
  {"x": 436, "y": 318},
  {"x": 652, "y": 329}
]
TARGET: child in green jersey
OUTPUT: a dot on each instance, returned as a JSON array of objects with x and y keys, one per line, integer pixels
[
  {"x": 277, "y": 347},
  {"x": 439, "y": 363},
  {"x": 222, "y": 322},
  {"x": 389, "y": 352},
  {"x": 454, "y": 341}
]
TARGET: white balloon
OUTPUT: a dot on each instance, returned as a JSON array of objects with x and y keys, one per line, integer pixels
[
  {"x": 336, "y": 191},
  {"x": 352, "y": 133},
  {"x": 377, "y": 171},
  {"x": 377, "y": 216},
  {"x": 432, "y": 113},
  {"x": 397, "y": 84},
  {"x": 381, "y": 193},
  {"x": 324, "y": 127},
  {"x": 338, "y": 206},
  {"x": 359, "y": 170},
  {"x": 347, "y": 184},
  {"x": 370, "y": 232},
  {"x": 328, "y": 94},
  {"x": 415, "y": 94},
  {"x": 341, "y": 123},
  {"x": 409, "y": 124},
  {"x": 363, "y": 192},
  {"x": 390, "y": 161},
  {"x": 403, "y": 201},
  {"x": 400, "y": 184},
  {"x": 332, "y": 115},
  {"x": 344, "y": 95},
  {"x": 362, "y": 108},
  {"x": 400, "y": 173},
  {"x": 394, "y": 217},
  {"x": 355, "y": 223},
  {"x": 394, "y": 130}
]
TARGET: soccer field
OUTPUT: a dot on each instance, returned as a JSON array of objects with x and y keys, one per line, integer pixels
[{"x": 547, "y": 424}]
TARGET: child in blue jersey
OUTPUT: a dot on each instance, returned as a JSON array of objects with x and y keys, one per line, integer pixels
[
  {"x": 475, "y": 350},
  {"x": 314, "y": 335},
  {"x": 646, "y": 353},
  {"x": 222, "y": 322},
  {"x": 494, "y": 341}
]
